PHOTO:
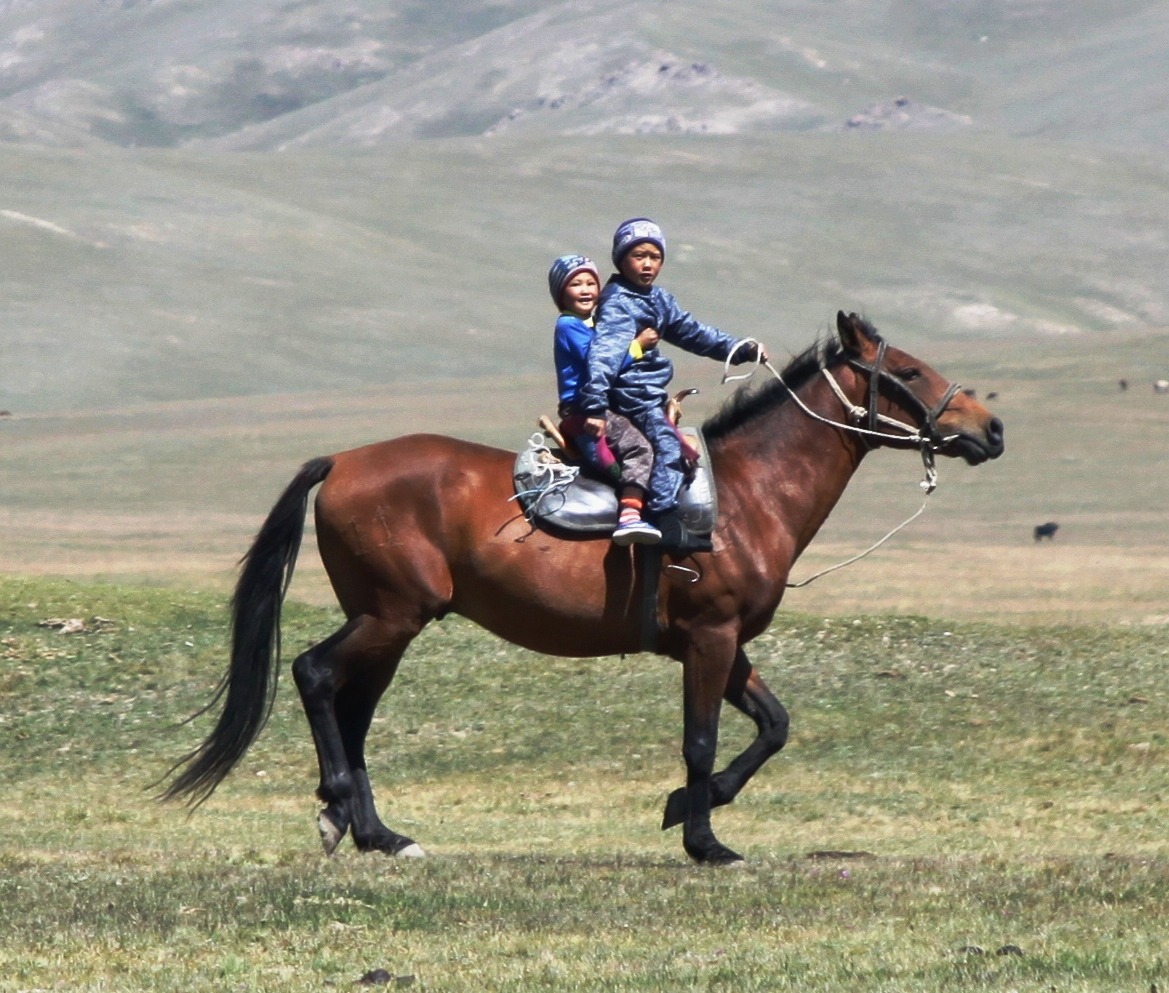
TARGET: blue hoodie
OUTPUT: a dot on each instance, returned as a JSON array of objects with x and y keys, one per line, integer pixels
[
  {"x": 623, "y": 311},
  {"x": 570, "y": 350}
]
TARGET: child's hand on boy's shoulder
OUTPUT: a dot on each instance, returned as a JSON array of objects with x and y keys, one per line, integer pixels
[{"x": 647, "y": 338}]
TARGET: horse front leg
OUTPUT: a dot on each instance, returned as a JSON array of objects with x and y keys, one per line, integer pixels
[
  {"x": 747, "y": 692},
  {"x": 706, "y": 668},
  {"x": 340, "y": 682}
]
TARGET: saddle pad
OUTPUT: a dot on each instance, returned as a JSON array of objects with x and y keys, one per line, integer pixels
[{"x": 558, "y": 494}]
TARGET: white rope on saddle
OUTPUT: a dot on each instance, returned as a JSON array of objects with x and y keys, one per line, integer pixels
[
  {"x": 858, "y": 414},
  {"x": 550, "y": 478}
]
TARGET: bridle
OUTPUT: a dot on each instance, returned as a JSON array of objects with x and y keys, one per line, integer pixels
[
  {"x": 926, "y": 436},
  {"x": 926, "y": 433}
]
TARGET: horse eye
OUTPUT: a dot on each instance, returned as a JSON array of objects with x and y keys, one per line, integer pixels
[{"x": 907, "y": 375}]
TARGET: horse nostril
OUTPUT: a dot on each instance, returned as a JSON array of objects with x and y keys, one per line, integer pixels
[{"x": 994, "y": 430}]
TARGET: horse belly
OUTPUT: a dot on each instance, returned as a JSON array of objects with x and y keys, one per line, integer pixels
[
  {"x": 564, "y": 636},
  {"x": 553, "y": 595}
]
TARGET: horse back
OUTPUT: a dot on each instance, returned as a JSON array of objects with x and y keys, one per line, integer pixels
[
  {"x": 426, "y": 524},
  {"x": 426, "y": 484}
]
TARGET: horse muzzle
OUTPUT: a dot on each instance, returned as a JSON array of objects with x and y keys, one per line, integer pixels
[{"x": 976, "y": 447}]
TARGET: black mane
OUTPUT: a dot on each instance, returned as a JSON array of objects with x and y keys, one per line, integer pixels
[{"x": 750, "y": 401}]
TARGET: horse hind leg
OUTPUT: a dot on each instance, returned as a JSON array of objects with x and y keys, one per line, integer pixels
[
  {"x": 340, "y": 682},
  {"x": 747, "y": 693},
  {"x": 355, "y": 712}
]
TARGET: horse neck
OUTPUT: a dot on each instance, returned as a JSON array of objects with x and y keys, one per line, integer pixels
[{"x": 786, "y": 467}]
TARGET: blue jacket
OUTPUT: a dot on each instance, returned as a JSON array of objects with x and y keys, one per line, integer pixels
[
  {"x": 622, "y": 312},
  {"x": 570, "y": 351}
]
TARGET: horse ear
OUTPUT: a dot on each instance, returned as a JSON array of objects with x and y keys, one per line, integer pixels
[{"x": 852, "y": 331}]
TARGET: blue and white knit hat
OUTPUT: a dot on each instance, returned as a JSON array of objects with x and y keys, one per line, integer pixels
[
  {"x": 634, "y": 232},
  {"x": 562, "y": 271}
]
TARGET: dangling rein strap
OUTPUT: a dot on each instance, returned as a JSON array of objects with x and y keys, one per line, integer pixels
[{"x": 860, "y": 555}]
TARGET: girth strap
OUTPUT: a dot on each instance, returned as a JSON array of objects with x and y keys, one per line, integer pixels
[{"x": 650, "y": 559}]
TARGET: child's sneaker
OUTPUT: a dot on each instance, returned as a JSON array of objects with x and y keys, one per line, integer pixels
[{"x": 636, "y": 532}]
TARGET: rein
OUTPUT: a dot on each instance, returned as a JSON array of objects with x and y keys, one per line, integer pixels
[{"x": 926, "y": 437}]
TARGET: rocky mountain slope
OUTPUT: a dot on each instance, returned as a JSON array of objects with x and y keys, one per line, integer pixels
[{"x": 277, "y": 75}]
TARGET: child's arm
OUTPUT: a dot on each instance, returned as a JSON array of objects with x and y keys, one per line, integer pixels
[
  {"x": 646, "y": 339},
  {"x": 571, "y": 348},
  {"x": 680, "y": 328}
]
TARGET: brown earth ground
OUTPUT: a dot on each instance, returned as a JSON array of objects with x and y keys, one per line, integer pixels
[{"x": 172, "y": 494}]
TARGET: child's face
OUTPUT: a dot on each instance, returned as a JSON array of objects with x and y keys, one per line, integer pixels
[
  {"x": 580, "y": 294},
  {"x": 641, "y": 264}
]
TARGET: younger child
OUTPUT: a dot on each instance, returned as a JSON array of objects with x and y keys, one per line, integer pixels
[
  {"x": 629, "y": 302},
  {"x": 575, "y": 283}
]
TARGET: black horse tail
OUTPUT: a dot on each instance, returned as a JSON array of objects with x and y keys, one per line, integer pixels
[{"x": 248, "y": 688}]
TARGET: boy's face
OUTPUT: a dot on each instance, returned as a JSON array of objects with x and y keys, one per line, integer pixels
[
  {"x": 580, "y": 294},
  {"x": 641, "y": 264}
]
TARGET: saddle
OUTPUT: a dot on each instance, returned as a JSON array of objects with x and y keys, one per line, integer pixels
[{"x": 554, "y": 488}]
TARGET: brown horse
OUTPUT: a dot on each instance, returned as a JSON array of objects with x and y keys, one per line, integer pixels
[{"x": 415, "y": 528}]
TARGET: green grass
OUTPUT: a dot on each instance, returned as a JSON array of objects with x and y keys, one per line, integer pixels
[{"x": 1004, "y": 783}]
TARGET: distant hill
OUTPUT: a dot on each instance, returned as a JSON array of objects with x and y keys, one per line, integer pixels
[
  {"x": 267, "y": 75},
  {"x": 201, "y": 198}
]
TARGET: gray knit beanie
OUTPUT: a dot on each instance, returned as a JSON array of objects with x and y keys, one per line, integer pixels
[
  {"x": 562, "y": 271},
  {"x": 633, "y": 232}
]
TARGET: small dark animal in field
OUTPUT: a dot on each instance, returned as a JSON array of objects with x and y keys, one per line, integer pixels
[
  {"x": 1046, "y": 530},
  {"x": 5, "y": 413},
  {"x": 1123, "y": 384},
  {"x": 1161, "y": 386},
  {"x": 992, "y": 395}
]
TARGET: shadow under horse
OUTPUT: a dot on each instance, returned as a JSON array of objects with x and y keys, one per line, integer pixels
[{"x": 418, "y": 527}]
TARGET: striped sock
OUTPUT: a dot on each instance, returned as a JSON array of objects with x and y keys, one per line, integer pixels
[{"x": 630, "y": 510}]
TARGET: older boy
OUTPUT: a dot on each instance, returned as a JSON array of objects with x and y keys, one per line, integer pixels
[{"x": 629, "y": 302}]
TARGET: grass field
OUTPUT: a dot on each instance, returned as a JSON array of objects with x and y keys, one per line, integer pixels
[
  {"x": 973, "y": 796},
  {"x": 962, "y": 806}
]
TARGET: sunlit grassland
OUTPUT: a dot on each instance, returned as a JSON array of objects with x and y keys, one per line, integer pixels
[{"x": 980, "y": 786}]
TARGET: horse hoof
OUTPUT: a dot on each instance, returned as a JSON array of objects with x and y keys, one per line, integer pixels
[
  {"x": 331, "y": 833},
  {"x": 412, "y": 851},
  {"x": 724, "y": 858},
  {"x": 716, "y": 855},
  {"x": 675, "y": 809}
]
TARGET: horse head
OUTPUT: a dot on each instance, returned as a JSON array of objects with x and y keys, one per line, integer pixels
[{"x": 905, "y": 394}]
